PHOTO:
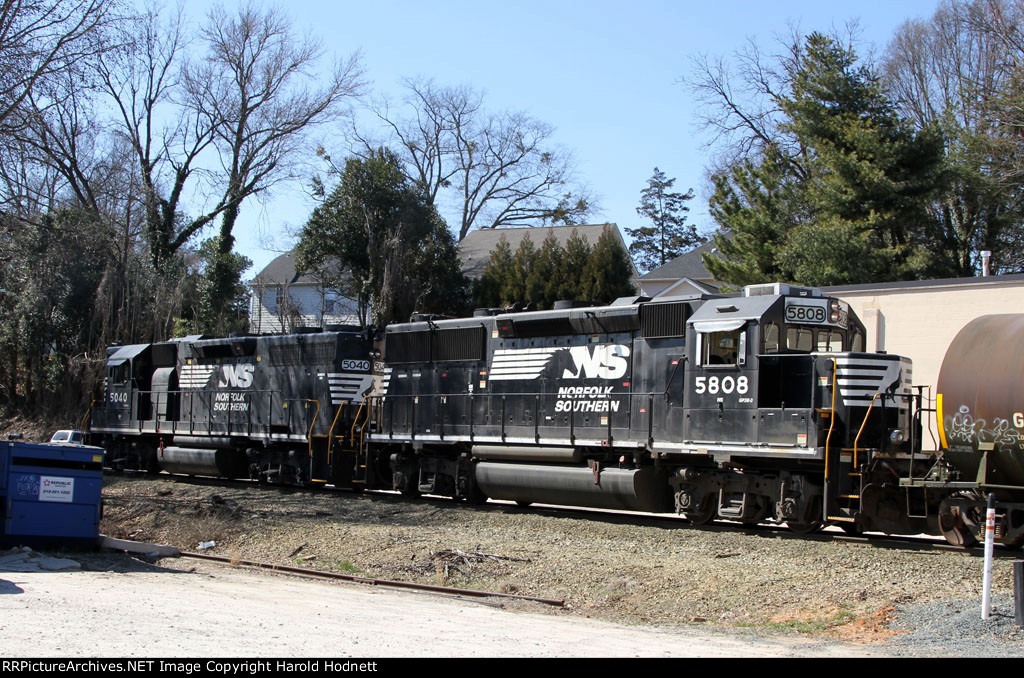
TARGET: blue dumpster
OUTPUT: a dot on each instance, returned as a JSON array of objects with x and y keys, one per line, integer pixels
[{"x": 49, "y": 493}]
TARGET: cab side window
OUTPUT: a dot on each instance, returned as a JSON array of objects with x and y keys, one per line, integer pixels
[
  {"x": 119, "y": 373},
  {"x": 770, "y": 338},
  {"x": 723, "y": 348}
]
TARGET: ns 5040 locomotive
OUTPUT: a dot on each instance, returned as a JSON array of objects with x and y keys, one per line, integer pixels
[{"x": 755, "y": 407}]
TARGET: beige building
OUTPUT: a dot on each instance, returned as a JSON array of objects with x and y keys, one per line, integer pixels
[{"x": 920, "y": 318}]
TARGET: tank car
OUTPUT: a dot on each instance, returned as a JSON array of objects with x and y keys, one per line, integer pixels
[
  {"x": 751, "y": 407},
  {"x": 980, "y": 417},
  {"x": 271, "y": 408}
]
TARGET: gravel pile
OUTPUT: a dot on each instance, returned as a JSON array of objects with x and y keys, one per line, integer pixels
[
  {"x": 955, "y": 628},
  {"x": 619, "y": 568}
]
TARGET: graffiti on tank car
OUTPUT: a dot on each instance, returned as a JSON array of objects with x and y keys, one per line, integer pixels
[{"x": 963, "y": 427}]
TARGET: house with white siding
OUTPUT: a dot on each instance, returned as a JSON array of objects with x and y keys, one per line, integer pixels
[{"x": 282, "y": 300}]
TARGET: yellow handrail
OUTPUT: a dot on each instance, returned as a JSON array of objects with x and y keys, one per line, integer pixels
[
  {"x": 862, "y": 425},
  {"x": 355, "y": 422},
  {"x": 309, "y": 434},
  {"x": 330, "y": 432}
]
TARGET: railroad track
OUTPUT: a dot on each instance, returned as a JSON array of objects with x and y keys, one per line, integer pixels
[{"x": 906, "y": 542}]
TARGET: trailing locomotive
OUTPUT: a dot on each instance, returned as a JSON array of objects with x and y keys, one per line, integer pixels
[
  {"x": 271, "y": 408},
  {"x": 755, "y": 407}
]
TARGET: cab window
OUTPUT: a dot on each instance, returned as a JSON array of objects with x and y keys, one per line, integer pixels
[
  {"x": 723, "y": 348},
  {"x": 857, "y": 343},
  {"x": 118, "y": 373},
  {"x": 829, "y": 341},
  {"x": 800, "y": 339},
  {"x": 770, "y": 336}
]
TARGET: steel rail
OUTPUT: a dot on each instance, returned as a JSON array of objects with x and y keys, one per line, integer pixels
[{"x": 370, "y": 580}]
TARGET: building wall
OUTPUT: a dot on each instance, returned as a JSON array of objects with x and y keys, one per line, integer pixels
[
  {"x": 921, "y": 322},
  {"x": 270, "y": 311}
]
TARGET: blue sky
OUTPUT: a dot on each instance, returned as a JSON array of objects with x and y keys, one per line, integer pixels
[{"x": 604, "y": 74}]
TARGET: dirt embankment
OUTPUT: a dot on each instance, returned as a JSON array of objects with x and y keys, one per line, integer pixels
[{"x": 612, "y": 567}]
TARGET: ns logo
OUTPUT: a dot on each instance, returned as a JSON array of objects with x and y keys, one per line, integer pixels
[
  {"x": 605, "y": 362},
  {"x": 235, "y": 376}
]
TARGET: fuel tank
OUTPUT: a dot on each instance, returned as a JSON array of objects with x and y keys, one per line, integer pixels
[
  {"x": 203, "y": 462},
  {"x": 643, "y": 489},
  {"x": 980, "y": 401}
]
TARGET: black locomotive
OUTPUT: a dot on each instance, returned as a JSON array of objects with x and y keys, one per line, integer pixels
[
  {"x": 761, "y": 406},
  {"x": 273, "y": 408}
]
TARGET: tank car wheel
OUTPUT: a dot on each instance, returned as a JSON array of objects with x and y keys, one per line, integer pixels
[{"x": 951, "y": 522}]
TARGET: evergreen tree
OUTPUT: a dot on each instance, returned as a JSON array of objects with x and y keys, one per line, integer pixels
[
  {"x": 386, "y": 238},
  {"x": 541, "y": 277},
  {"x": 607, "y": 274},
  {"x": 670, "y": 235},
  {"x": 514, "y": 287},
  {"x": 548, "y": 274},
  {"x": 577, "y": 255},
  {"x": 756, "y": 203},
  {"x": 488, "y": 289},
  {"x": 851, "y": 207}
]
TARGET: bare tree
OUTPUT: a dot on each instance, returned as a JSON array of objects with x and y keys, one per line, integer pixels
[
  {"x": 488, "y": 169},
  {"x": 742, "y": 97},
  {"x": 256, "y": 90},
  {"x": 40, "y": 39},
  {"x": 953, "y": 72}
]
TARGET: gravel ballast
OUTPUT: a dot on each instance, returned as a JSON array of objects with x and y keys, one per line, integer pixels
[{"x": 903, "y": 598}]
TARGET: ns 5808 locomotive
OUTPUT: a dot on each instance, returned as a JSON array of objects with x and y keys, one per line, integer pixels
[{"x": 755, "y": 407}]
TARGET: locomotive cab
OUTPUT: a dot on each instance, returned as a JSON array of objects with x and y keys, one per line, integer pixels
[
  {"x": 778, "y": 373},
  {"x": 778, "y": 390}
]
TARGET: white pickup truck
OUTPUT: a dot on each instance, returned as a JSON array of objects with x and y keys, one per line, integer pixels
[{"x": 68, "y": 437}]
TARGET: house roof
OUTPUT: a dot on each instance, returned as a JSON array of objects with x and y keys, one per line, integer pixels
[
  {"x": 281, "y": 271},
  {"x": 475, "y": 249},
  {"x": 689, "y": 265}
]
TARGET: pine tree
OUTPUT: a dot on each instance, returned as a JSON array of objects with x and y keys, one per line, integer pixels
[
  {"x": 487, "y": 290},
  {"x": 670, "y": 235},
  {"x": 850, "y": 207},
  {"x": 577, "y": 254},
  {"x": 607, "y": 274},
  {"x": 548, "y": 274}
]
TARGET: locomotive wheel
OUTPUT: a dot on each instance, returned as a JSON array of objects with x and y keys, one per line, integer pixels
[
  {"x": 523, "y": 503},
  {"x": 705, "y": 515},
  {"x": 852, "y": 529},
  {"x": 804, "y": 528},
  {"x": 951, "y": 522}
]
